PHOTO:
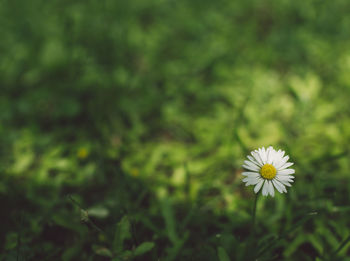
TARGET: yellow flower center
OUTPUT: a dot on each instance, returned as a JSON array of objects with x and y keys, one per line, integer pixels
[{"x": 268, "y": 171}]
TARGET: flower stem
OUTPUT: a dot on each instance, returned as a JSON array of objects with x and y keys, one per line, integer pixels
[
  {"x": 343, "y": 244},
  {"x": 254, "y": 213},
  {"x": 250, "y": 255}
]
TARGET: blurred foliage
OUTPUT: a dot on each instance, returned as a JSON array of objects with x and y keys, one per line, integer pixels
[{"x": 124, "y": 125}]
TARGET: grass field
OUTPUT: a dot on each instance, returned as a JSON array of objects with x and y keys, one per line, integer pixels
[{"x": 124, "y": 126}]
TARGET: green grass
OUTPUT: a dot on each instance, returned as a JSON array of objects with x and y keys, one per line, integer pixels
[{"x": 124, "y": 125}]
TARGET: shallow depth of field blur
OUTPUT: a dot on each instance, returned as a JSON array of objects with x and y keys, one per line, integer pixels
[{"x": 124, "y": 125}]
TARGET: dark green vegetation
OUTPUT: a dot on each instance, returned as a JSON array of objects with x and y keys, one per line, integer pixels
[{"x": 124, "y": 124}]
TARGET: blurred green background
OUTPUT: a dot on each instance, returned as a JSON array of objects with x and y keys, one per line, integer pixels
[{"x": 124, "y": 125}]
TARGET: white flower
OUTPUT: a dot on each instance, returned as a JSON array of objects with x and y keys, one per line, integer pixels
[{"x": 268, "y": 169}]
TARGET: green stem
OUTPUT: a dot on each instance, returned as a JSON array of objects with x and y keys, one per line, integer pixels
[
  {"x": 250, "y": 255},
  {"x": 343, "y": 244},
  {"x": 254, "y": 212},
  {"x": 284, "y": 234}
]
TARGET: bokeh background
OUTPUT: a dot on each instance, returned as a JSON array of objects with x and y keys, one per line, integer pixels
[{"x": 124, "y": 125}]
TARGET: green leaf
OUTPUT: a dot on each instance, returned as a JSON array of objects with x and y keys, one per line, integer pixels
[
  {"x": 223, "y": 256},
  {"x": 71, "y": 252},
  {"x": 341, "y": 246},
  {"x": 301, "y": 239},
  {"x": 143, "y": 248},
  {"x": 121, "y": 234},
  {"x": 170, "y": 223},
  {"x": 278, "y": 239},
  {"x": 11, "y": 240}
]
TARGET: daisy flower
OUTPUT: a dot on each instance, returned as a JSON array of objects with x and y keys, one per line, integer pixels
[{"x": 268, "y": 169}]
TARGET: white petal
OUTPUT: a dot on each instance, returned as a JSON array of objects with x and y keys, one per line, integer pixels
[
  {"x": 276, "y": 182},
  {"x": 250, "y": 163},
  {"x": 271, "y": 189},
  {"x": 279, "y": 157},
  {"x": 258, "y": 186},
  {"x": 251, "y": 181},
  {"x": 255, "y": 181},
  {"x": 257, "y": 157},
  {"x": 265, "y": 189},
  {"x": 282, "y": 162},
  {"x": 265, "y": 155},
  {"x": 277, "y": 186},
  {"x": 245, "y": 179},
  {"x": 281, "y": 153},
  {"x": 253, "y": 168},
  {"x": 250, "y": 174},
  {"x": 262, "y": 154},
  {"x": 273, "y": 155},
  {"x": 287, "y": 165},
  {"x": 286, "y": 171},
  {"x": 254, "y": 160},
  {"x": 285, "y": 177},
  {"x": 284, "y": 182},
  {"x": 270, "y": 155}
]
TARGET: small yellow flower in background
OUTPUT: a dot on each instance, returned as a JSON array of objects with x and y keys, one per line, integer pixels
[
  {"x": 268, "y": 169},
  {"x": 82, "y": 153},
  {"x": 134, "y": 172}
]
